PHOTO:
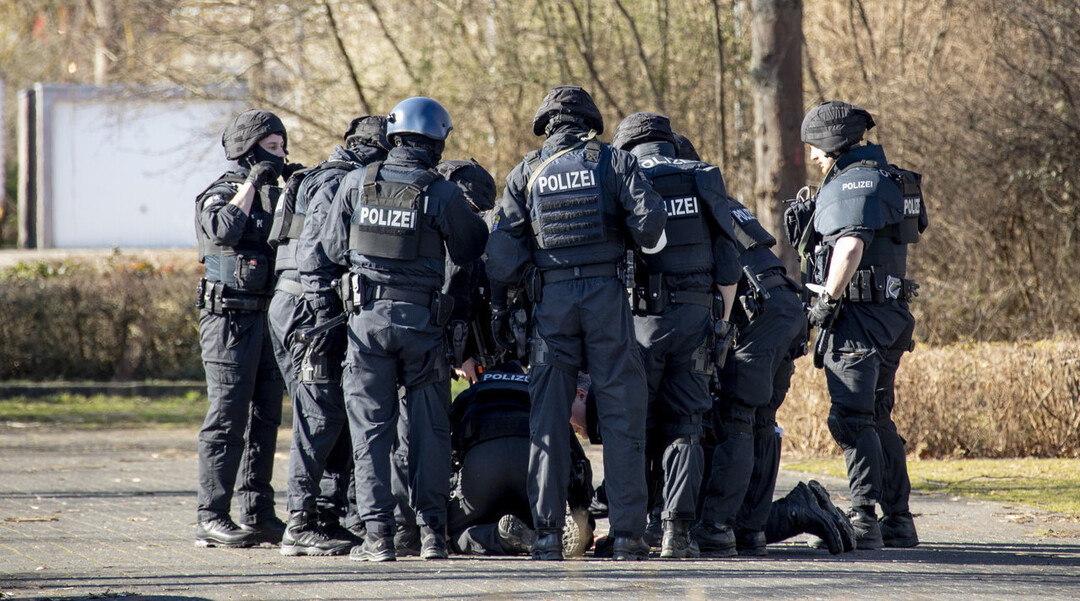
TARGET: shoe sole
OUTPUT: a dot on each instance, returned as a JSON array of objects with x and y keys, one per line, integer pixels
[
  {"x": 578, "y": 535},
  {"x": 298, "y": 551},
  {"x": 732, "y": 552},
  {"x": 629, "y": 557},
  {"x": 375, "y": 558},
  {"x": 553, "y": 556},
  {"x": 900, "y": 543},
  {"x": 680, "y": 554},
  {"x": 214, "y": 543}
]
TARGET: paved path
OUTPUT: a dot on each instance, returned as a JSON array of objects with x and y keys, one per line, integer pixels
[{"x": 110, "y": 514}]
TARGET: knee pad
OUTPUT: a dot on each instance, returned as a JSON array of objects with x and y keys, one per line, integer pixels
[{"x": 845, "y": 430}]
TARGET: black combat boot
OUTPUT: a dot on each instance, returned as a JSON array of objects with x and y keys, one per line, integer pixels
[
  {"x": 867, "y": 529},
  {"x": 629, "y": 548},
  {"x": 222, "y": 532},
  {"x": 548, "y": 545},
  {"x": 799, "y": 512},
  {"x": 407, "y": 540},
  {"x": 433, "y": 543},
  {"x": 329, "y": 523},
  {"x": 898, "y": 530},
  {"x": 654, "y": 530},
  {"x": 378, "y": 544},
  {"x": 840, "y": 518},
  {"x": 714, "y": 539},
  {"x": 266, "y": 531},
  {"x": 304, "y": 537},
  {"x": 514, "y": 535},
  {"x": 750, "y": 542},
  {"x": 677, "y": 543}
]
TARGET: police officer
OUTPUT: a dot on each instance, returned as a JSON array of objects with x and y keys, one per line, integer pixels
[
  {"x": 864, "y": 216},
  {"x": 393, "y": 223},
  {"x": 244, "y": 387},
  {"x": 567, "y": 214},
  {"x": 489, "y": 511},
  {"x": 320, "y": 460},
  {"x": 673, "y": 306},
  {"x": 466, "y": 285}
]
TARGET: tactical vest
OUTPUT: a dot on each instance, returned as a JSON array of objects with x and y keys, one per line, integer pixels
[
  {"x": 570, "y": 217},
  {"x": 292, "y": 208},
  {"x": 689, "y": 238},
  {"x": 880, "y": 197},
  {"x": 495, "y": 407},
  {"x": 245, "y": 267},
  {"x": 388, "y": 221}
]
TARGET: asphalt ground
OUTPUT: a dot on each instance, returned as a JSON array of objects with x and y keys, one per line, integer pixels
[{"x": 111, "y": 514}]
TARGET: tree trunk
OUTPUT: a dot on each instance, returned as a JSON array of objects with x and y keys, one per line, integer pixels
[{"x": 776, "y": 79}]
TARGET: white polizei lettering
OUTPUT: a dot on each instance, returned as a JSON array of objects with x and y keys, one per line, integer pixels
[
  {"x": 743, "y": 215},
  {"x": 912, "y": 205},
  {"x": 385, "y": 217},
  {"x": 572, "y": 180},
  {"x": 506, "y": 377},
  {"x": 678, "y": 207},
  {"x": 857, "y": 185}
]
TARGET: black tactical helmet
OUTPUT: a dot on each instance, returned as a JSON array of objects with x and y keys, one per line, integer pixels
[
  {"x": 573, "y": 101},
  {"x": 247, "y": 128},
  {"x": 475, "y": 182},
  {"x": 419, "y": 115},
  {"x": 369, "y": 130},
  {"x": 642, "y": 127},
  {"x": 835, "y": 126},
  {"x": 684, "y": 148}
]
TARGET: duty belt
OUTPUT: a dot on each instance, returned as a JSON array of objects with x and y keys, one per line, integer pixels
[
  {"x": 292, "y": 287},
  {"x": 688, "y": 297},
  {"x": 875, "y": 286},
  {"x": 598, "y": 270},
  {"x": 217, "y": 298},
  {"x": 778, "y": 279},
  {"x": 396, "y": 293}
]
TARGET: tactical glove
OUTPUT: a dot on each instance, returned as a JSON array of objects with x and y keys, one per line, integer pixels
[
  {"x": 289, "y": 169},
  {"x": 823, "y": 312},
  {"x": 501, "y": 330},
  {"x": 264, "y": 173}
]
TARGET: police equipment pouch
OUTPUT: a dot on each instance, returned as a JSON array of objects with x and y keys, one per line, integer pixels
[
  {"x": 459, "y": 332},
  {"x": 200, "y": 294},
  {"x": 350, "y": 289},
  {"x": 314, "y": 368},
  {"x": 724, "y": 333},
  {"x": 519, "y": 326},
  {"x": 442, "y": 307},
  {"x": 251, "y": 273}
]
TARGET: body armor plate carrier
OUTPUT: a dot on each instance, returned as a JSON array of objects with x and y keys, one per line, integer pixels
[{"x": 387, "y": 222}]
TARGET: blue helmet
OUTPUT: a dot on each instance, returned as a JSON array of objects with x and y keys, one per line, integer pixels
[{"x": 419, "y": 115}]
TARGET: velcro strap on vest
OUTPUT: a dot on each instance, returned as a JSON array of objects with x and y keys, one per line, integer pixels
[
  {"x": 431, "y": 246},
  {"x": 292, "y": 287},
  {"x": 600, "y": 270},
  {"x": 687, "y": 297},
  {"x": 296, "y": 227}
]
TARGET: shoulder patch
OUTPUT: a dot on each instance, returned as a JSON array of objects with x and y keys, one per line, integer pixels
[{"x": 213, "y": 199}]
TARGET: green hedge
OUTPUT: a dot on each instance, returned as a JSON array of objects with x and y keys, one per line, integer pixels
[{"x": 116, "y": 319}]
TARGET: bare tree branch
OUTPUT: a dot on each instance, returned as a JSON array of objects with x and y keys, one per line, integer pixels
[
  {"x": 393, "y": 43},
  {"x": 658, "y": 98},
  {"x": 354, "y": 79}
]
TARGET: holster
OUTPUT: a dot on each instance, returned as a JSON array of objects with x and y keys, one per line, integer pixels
[
  {"x": 442, "y": 307},
  {"x": 459, "y": 332}
]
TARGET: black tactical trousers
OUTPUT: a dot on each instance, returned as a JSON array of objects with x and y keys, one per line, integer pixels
[
  {"x": 677, "y": 370},
  {"x": 236, "y": 442},
  {"x": 320, "y": 458},
  {"x": 753, "y": 384},
  {"x": 393, "y": 342},
  {"x": 586, "y": 324},
  {"x": 404, "y": 514},
  {"x": 863, "y": 355},
  {"x": 491, "y": 484}
]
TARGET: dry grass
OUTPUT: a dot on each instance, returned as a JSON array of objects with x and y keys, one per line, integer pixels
[{"x": 962, "y": 400}]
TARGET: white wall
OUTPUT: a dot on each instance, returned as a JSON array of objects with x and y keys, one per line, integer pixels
[{"x": 122, "y": 168}]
